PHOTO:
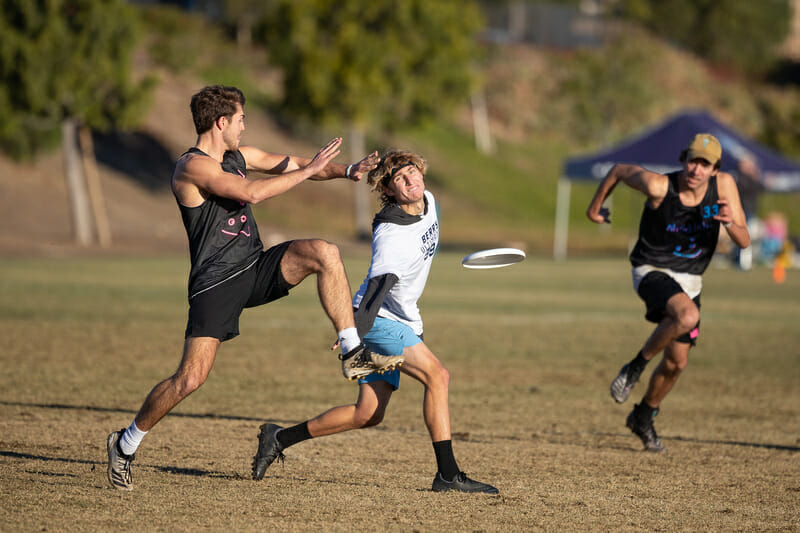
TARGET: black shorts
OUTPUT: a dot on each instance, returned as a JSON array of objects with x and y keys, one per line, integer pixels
[
  {"x": 215, "y": 312},
  {"x": 656, "y": 288}
]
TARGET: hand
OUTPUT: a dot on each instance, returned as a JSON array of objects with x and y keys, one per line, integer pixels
[
  {"x": 725, "y": 215},
  {"x": 335, "y": 345},
  {"x": 357, "y": 170},
  {"x": 599, "y": 216},
  {"x": 325, "y": 155}
]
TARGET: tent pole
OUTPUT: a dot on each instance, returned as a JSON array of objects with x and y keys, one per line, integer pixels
[{"x": 562, "y": 220}]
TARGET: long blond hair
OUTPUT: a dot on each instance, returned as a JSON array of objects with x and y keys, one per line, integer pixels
[{"x": 390, "y": 163}]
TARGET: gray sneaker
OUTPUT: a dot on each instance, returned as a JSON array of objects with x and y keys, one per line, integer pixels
[
  {"x": 268, "y": 450},
  {"x": 645, "y": 430},
  {"x": 461, "y": 483},
  {"x": 623, "y": 384},
  {"x": 361, "y": 361},
  {"x": 119, "y": 464}
]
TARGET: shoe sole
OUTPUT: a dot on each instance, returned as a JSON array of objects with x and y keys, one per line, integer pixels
[{"x": 363, "y": 373}]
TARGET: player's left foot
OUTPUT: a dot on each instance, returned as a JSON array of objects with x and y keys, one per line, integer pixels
[
  {"x": 119, "y": 464},
  {"x": 645, "y": 430},
  {"x": 268, "y": 449},
  {"x": 461, "y": 483}
]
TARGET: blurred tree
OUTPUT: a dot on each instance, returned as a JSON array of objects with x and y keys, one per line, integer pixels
[
  {"x": 65, "y": 64},
  {"x": 735, "y": 33},
  {"x": 373, "y": 63}
]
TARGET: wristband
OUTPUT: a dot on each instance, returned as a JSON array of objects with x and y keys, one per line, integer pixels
[{"x": 347, "y": 171}]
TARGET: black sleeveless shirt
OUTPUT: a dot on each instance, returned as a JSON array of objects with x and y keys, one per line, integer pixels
[
  {"x": 223, "y": 236},
  {"x": 676, "y": 236}
]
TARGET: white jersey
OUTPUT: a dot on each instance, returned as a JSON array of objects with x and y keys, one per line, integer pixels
[{"x": 403, "y": 245}]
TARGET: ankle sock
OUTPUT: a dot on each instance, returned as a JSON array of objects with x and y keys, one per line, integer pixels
[
  {"x": 131, "y": 439},
  {"x": 639, "y": 362},
  {"x": 348, "y": 339},
  {"x": 291, "y": 436},
  {"x": 644, "y": 412},
  {"x": 445, "y": 460}
]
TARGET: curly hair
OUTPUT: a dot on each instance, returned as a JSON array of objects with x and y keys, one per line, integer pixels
[
  {"x": 390, "y": 163},
  {"x": 213, "y": 102}
]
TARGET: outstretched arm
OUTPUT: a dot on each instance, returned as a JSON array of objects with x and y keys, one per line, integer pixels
[
  {"x": 270, "y": 163},
  {"x": 651, "y": 184},
  {"x": 205, "y": 174}
]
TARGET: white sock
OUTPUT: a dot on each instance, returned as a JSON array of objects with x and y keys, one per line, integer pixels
[
  {"x": 131, "y": 439},
  {"x": 348, "y": 339}
]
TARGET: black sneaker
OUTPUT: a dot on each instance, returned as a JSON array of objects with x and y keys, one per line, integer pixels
[
  {"x": 268, "y": 450},
  {"x": 361, "y": 361},
  {"x": 461, "y": 483},
  {"x": 645, "y": 430},
  {"x": 119, "y": 464},
  {"x": 623, "y": 384}
]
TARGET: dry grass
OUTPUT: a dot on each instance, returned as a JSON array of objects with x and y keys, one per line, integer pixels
[{"x": 531, "y": 350}]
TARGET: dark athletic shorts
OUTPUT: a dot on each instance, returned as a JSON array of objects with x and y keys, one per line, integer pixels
[
  {"x": 215, "y": 312},
  {"x": 656, "y": 288}
]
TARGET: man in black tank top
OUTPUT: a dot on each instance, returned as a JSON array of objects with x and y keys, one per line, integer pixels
[
  {"x": 677, "y": 236},
  {"x": 230, "y": 270}
]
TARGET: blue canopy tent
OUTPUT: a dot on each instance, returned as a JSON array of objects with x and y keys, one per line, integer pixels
[{"x": 658, "y": 149}]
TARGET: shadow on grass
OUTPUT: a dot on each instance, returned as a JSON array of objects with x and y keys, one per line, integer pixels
[{"x": 458, "y": 436}]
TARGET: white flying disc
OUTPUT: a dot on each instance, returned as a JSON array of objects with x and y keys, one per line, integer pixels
[{"x": 493, "y": 258}]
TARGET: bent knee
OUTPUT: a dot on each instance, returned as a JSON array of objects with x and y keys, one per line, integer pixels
[
  {"x": 188, "y": 383},
  {"x": 365, "y": 419}
]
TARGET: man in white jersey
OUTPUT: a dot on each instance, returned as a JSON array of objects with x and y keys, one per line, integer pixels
[{"x": 405, "y": 234}]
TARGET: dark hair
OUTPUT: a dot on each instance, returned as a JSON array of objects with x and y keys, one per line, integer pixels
[
  {"x": 390, "y": 163},
  {"x": 213, "y": 102}
]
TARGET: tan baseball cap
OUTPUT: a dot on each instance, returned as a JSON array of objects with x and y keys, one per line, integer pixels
[{"x": 704, "y": 146}]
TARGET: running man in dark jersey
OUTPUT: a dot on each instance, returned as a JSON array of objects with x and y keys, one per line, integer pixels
[
  {"x": 230, "y": 270},
  {"x": 677, "y": 236}
]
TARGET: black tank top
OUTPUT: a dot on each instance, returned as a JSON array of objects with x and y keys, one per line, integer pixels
[
  {"x": 223, "y": 236},
  {"x": 678, "y": 237}
]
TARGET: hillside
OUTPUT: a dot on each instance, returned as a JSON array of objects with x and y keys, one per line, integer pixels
[{"x": 507, "y": 198}]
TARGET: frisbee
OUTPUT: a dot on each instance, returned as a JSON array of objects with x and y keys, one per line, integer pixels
[{"x": 493, "y": 258}]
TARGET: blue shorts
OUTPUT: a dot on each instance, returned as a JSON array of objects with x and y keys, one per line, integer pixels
[{"x": 388, "y": 337}]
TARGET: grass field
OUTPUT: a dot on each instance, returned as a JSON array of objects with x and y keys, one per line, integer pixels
[{"x": 531, "y": 350}]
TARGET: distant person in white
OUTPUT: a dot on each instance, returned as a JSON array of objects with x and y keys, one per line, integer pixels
[{"x": 405, "y": 235}]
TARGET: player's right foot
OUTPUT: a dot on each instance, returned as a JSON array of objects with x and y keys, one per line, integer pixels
[
  {"x": 119, "y": 464},
  {"x": 645, "y": 430},
  {"x": 269, "y": 449},
  {"x": 461, "y": 483},
  {"x": 361, "y": 361},
  {"x": 623, "y": 384}
]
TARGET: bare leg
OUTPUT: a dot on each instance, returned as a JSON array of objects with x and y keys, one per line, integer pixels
[
  {"x": 198, "y": 358},
  {"x": 422, "y": 365},
  {"x": 682, "y": 317},
  {"x": 316, "y": 256},
  {"x": 367, "y": 411},
  {"x": 676, "y": 357}
]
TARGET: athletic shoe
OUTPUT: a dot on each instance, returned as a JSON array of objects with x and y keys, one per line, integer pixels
[
  {"x": 461, "y": 483},
  {"x": 361, "y": 361},
  {"x": 623, "y": 384},
  {"x": 645, "y": 431},
  {"x": 119, "y": 464},
  {"x": 269, "y": 449}
]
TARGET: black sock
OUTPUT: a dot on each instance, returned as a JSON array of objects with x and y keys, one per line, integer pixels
[
  {"x": 644, "y": 412},
  {"x": 639, "y": 362},
  {"x": 445, "y": 460},
  {"x": 291, "y": 436}
]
